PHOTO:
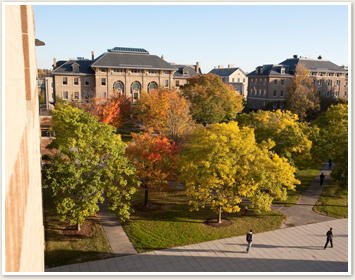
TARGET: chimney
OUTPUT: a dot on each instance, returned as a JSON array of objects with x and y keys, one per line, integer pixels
[
  {"x": 197, "y": 67},
  {"x": 54, "y": 63},
  {"x": 295, "y": 56},
  {"x": 230, "y": 65},
  {"x": 92, "y": 55},
  {"x": 220, "y": 66},
  {"x": 320, "y": 57},
  {"x": 162, "y": 57},
  {"x": 215, "y": 67}
]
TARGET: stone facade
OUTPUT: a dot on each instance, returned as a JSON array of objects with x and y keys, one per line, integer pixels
[
  {"x": 267, "y": 85},
  {"x": 24, "y": 232}
]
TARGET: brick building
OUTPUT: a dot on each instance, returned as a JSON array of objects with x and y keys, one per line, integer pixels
[
  {"x": 118, "y": 71},
  {"x": 267, "y": 84}
]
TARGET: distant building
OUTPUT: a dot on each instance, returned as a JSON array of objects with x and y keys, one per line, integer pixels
[
  {"x": 118, "y": 71},
  {"x": 24, "y": 231},
  {"x": 233, "y": 76},
  {"x": 267, "y": 84}
]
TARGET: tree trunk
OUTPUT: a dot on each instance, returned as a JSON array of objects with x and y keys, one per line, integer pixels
[
  {"x": 220, "y": 215},
  {"x": 146, "y": 197},
  {"x": 78, "y": 227}
]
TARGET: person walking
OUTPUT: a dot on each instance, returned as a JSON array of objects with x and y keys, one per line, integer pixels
[
  {"x": 245, "y": 210},
  {"x": 329, "y": 238},
  {"x": 321, "y": 179},
  {"x": 330, "y": 164},
  {"x": 249, "y": 240}
]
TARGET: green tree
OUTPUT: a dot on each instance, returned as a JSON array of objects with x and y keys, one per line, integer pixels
[
  {"x": 225, "y": 163},
  {"x": 211, "y": 100},
  {"x": 301, "y": 99},
  {"x": 331, "y": 141},
  {"x": 89, "y": 161},
  {"x": 291, "y": 137}
]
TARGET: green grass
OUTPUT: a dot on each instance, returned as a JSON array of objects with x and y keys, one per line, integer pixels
[
  {"x": 333, "y": 201},
  {"x": 174, "y": 225},
  {"x": 62, "y": 249},
  {"x": 306, "y": 177}
]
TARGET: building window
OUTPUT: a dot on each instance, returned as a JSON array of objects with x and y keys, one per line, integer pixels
[
  {"x": 243, "y": 80},
  {"x": 166, "y": 83},
  {"x": 87, "y": 82},
  {"x": 76, "y": 95},
  {"x": 153, "y": 86},
  {"x": 166, "y": 72},
  {"x": 345, "y": 93},
  {"x": 320, "y": 83},
  {"x": 329, "y": 83},
  {"x": 118, "y": 88},
  {"x": 65, "y": 80},
  {"x": 346, "y": 84},
  {"x": 102, "y": 70},
  {"x": 264, "y": 92},
  {"x": 275, "y": 93},
  {"x": 238, "y": 80},
  {"x": 152, "y": 71},
  {"x": 275, "y": 82},
  {"x": 260, "y": 81},
  {"x": 281, "y": 93},
  {"x": 338, "y": 75},
  {"x": 136, "y": 71},
  {"x": 328, "y": 93},
  {"x": 256, "y": 80},
  {"x": 251, "y": 81},
  {"x": 337, "y": 83},
  {"x": 103, "y": 81},
  {"x": 282, "y": 82},
  {"x": 118, "y": 70},
  {"x": 330, "y": 74},
  {"x": 264, "y": 81},
  {"x": 259, "y": 92},
  {"x": 319, "y": 92},
  {"x": 76, "y": 81},
  {"x": 177, "y": 83},
  {"x": 282, "y": 70},
  {"x": 336, "y": 94},
  {"x": 321, "y": 74},
  {"x": 65, "y": 95},
  {"x": 135, "y": 89}
]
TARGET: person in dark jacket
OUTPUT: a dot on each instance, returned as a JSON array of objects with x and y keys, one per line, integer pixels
[
  {"x": 249, "y": 239},
  {"x": 321, "y": 179},
  {"x": 329, "y": 238}
]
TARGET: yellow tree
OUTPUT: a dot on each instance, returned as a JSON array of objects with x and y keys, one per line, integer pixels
[
  {"x": 225, "y": 163},
  {"x": 301, "y": 99},
  {"x": 167, "y": 112},
  {"x": 291, "y": 137}
]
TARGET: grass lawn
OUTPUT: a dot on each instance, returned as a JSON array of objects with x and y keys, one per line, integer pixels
[
  {"x": 62, "y": 247},
  {"x": 306, "y": 177},
  {"x": 174, "y": 225},
  {"x": 333, "y": 201}
]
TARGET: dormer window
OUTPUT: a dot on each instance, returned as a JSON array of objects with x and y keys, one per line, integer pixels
[
  {"x": 184, "y": 72},
  {"x": 282, "y": 70},
  {"x": 75, "y": 67}
]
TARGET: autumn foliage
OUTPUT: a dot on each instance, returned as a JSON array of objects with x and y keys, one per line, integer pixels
[
  {"x": 155, "y": 160},
  {"x": 114, "y": 110},
  {"x": 167, "y": 113}
]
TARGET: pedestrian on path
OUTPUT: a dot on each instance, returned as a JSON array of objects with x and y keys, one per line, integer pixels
[
  {"x": 246, "y": 210},
  {"x": 330, "y": 164},
  {"x": 321, "y": 179},
  {"x": 329, "y": 238},
  {"x": 249, "y": 239}
]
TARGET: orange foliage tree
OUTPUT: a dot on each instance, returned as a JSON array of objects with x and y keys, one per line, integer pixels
[
  {"x": 155, "y": 159},
  {"x": 114, "y": 110},
  {"x": 167, "y": 112}
]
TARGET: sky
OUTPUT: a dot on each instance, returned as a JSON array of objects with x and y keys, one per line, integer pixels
[{"x": 245, "y": 36}]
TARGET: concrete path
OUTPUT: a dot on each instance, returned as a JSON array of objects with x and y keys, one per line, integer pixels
[
  {"x": 302, "y": 213},
  {"x": 293, "y": 249},
  {"x": 116, "y": 236}
]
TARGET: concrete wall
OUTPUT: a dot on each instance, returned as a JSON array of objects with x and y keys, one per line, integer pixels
[{"x": 24, "y": 233}]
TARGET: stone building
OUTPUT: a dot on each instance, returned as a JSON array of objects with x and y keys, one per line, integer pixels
[
  {"x": 267, "y": 84},
  {"x": 234, "y": 76},
  {"x": 127, "y": 71},
  {"x": 23, "y": 232}
]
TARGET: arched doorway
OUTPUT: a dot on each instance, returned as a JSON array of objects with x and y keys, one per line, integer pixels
[
  {"x": 118, "y": 88},
  {"x": 135, "y": 90}
]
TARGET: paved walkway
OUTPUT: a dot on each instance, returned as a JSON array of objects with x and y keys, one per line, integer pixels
[
  {"x": 293, "y": 249},
  {"x": 302, "y": 213},
  {"x": 116, "y": 236}
]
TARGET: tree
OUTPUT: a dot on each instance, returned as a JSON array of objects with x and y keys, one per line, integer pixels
[
  {"x": 89, "y": 162},
  {"x": 282, "y": 127},
  {"x": 211, "y": 100},
  {"x": 301, "y": 99},
  {"x": 225, "y": 163},
  {"x": 332, "y": 141},
  {"x": 167, "y": 113},
  {"x": 114, "y": 110},
  {"x": 155, "y": 160}
]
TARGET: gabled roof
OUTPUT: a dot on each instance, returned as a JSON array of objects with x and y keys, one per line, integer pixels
[
  {"x": 184, "y": 68},
  {"x": 67, "y": 69},
  {"x": 225, "y": 72},
  {"x": 132, "y": 60},
  {"x": 272, "y": 70}
]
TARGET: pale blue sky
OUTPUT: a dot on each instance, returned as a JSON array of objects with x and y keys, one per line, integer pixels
[{"x": 243, "y": 35}]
